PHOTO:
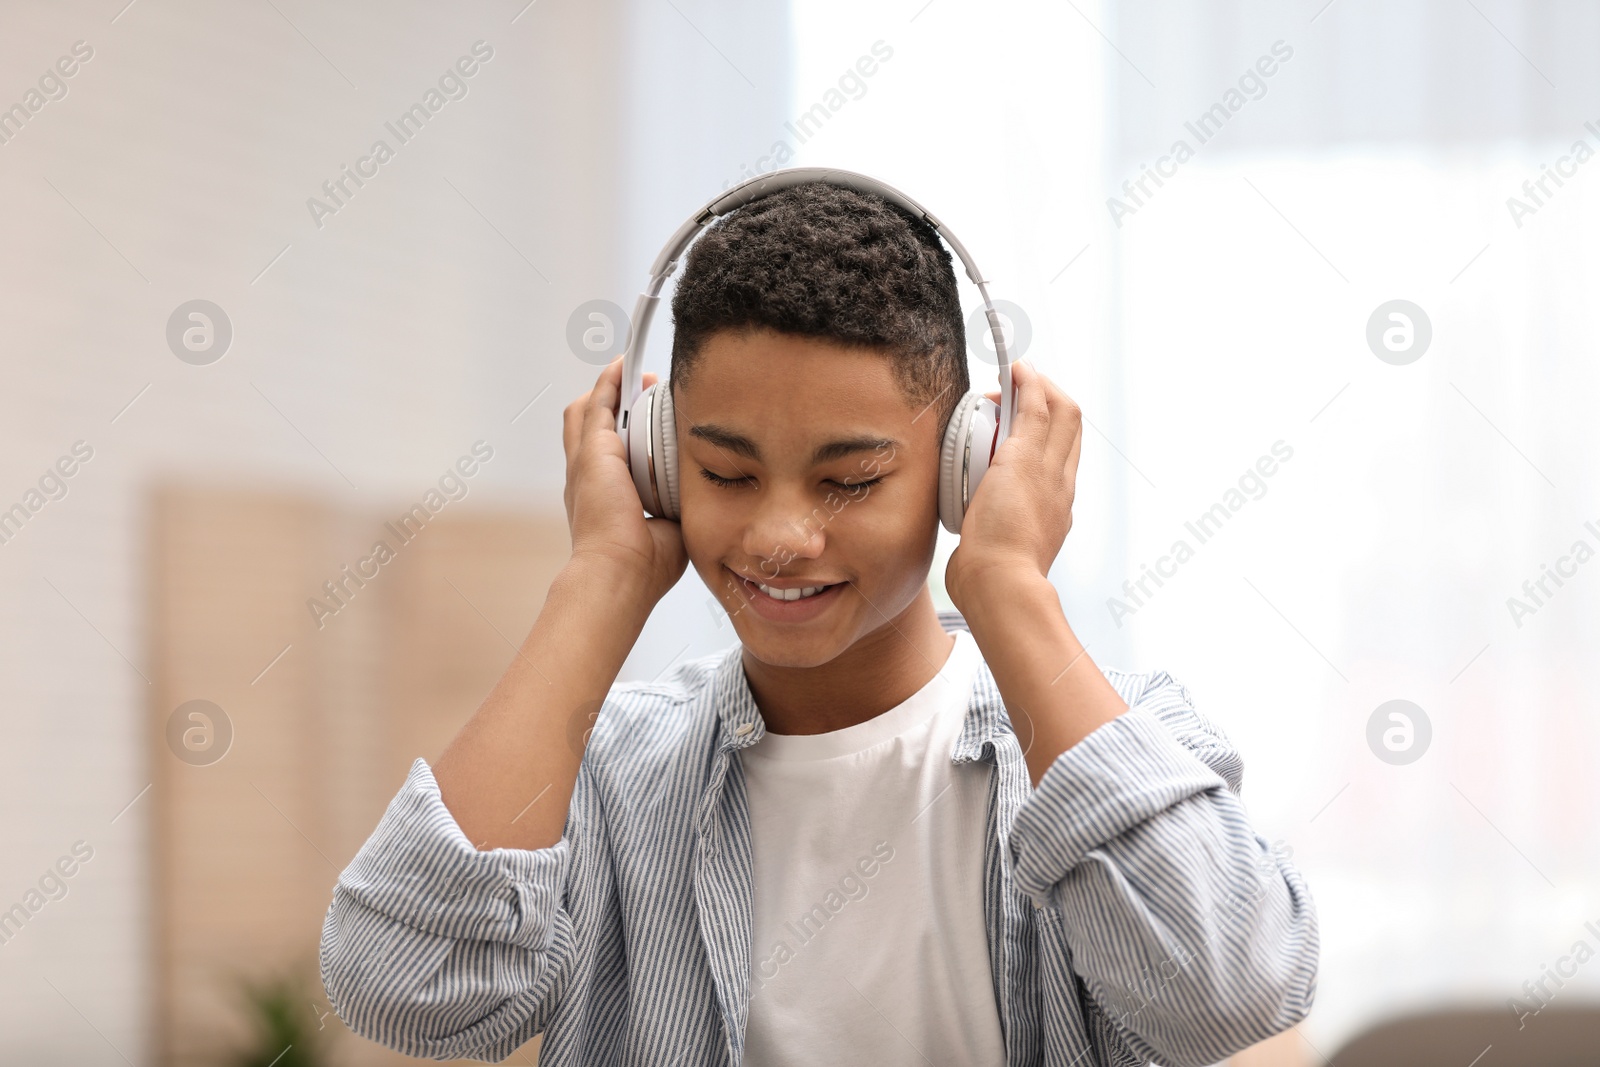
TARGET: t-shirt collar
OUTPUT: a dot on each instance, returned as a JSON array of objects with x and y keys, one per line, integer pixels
[{"x": 741, "y": 724}]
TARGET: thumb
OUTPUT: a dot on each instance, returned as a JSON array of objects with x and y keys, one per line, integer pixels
[
  {"x": 1020, "y": 372},
  {"x": 1033, "y": 414}
]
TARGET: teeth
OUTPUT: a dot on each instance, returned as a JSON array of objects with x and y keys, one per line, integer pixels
[{"x": 790, "y": 594}]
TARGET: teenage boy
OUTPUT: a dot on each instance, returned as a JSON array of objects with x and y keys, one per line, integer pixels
[{"x": 870, "y": 832}]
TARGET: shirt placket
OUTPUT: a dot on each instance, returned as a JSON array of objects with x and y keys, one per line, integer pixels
[
  {"x": 1007, "y": 915},
  {"x": 724, "y": 881}
]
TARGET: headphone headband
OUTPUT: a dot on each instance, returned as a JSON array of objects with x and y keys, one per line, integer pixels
[{"x": 765, "y": 185}]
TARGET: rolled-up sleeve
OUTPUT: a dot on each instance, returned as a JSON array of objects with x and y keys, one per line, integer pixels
[
  {"x": 438, "y": 950},
  {"x": 1193, "y": 938}
]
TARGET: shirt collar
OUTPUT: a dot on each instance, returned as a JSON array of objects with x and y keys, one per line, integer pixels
[{"x": 740, "y": 724}]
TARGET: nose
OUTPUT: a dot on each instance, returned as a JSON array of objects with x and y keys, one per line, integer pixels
[{"x": 786, "y": 526}]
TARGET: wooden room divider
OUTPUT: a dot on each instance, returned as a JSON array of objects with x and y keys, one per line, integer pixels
[{"x": 279, "y": 730}]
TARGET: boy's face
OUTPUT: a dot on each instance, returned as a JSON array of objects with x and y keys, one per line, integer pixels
[{"x": 828, "y": 477}]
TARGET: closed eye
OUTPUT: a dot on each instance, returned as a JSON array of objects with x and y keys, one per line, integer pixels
[
  {"x": 732, "y": 483},
  {"x": 726, "y": 483}
]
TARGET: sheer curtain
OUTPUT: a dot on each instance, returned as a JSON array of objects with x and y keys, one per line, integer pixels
[
  {"x": 1355, "y": 525},
  {"x": 1379, "y": 561}
]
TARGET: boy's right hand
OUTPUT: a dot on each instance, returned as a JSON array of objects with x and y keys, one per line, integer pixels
[{"x": 607, "y": 521}]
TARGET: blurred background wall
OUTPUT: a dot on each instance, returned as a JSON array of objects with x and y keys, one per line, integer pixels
[
  {"x": 1225, "y": 320},
  {"x": 371, "y": 347}
]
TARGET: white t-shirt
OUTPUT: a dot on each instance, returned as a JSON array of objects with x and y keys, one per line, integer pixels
[{"x": 868, "y": 940}]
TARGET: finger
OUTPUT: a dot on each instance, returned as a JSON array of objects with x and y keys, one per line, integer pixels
[
  {"x": 1070, "y": 476},
  {"x": 1032, "y": 421},
  {"x": 1066, "y": 424},
  {"x": 571, "y": 434},
  {"x": 1016, "y": 379},
  {"x": 1073, "y": 455},
  {"x": 572, "y": 425},
  {"x": 571, "y": 438},
  {"x": 1066, "y": 431},
  {"x": 601, "y": 412},
  {"x": 994, "y": 394}
]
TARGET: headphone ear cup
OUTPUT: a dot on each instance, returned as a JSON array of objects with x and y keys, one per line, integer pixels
[
  {"x": 640, "y": 428},
  {"x": 969, "y": 443},
  {"x": 952, "y": 458},
  {"x": 665, "y": 431}
]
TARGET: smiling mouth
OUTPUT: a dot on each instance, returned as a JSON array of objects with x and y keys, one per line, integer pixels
[
  {"x": 791, "y": 594},
  {"x": 799, "y": 592}
]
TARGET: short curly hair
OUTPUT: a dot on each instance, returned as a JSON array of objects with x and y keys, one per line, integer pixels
[{"x": 826, "y": 261}]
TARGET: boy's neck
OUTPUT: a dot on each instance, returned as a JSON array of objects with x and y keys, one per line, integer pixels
[{"x": 875, "y": 674}]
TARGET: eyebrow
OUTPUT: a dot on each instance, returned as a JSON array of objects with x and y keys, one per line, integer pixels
[{"x": 739, "y": 444}]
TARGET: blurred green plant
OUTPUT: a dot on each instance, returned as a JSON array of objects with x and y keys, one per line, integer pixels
[{"x": 288, "y": 1029}]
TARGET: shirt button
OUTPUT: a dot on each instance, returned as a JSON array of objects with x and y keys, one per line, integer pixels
[{"x": 742, "y": 729}]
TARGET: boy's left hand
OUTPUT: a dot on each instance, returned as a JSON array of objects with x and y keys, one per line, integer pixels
[{"x": 1022, "y": 510}]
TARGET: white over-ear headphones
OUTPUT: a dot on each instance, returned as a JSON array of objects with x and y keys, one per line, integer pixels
[{"x": 646, "y": 424}]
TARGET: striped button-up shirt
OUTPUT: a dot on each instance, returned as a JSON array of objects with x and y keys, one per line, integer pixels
[{"x": 1133, "y": 914}]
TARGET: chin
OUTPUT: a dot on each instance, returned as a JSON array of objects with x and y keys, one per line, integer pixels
[{"x": 789, "y": 650}]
